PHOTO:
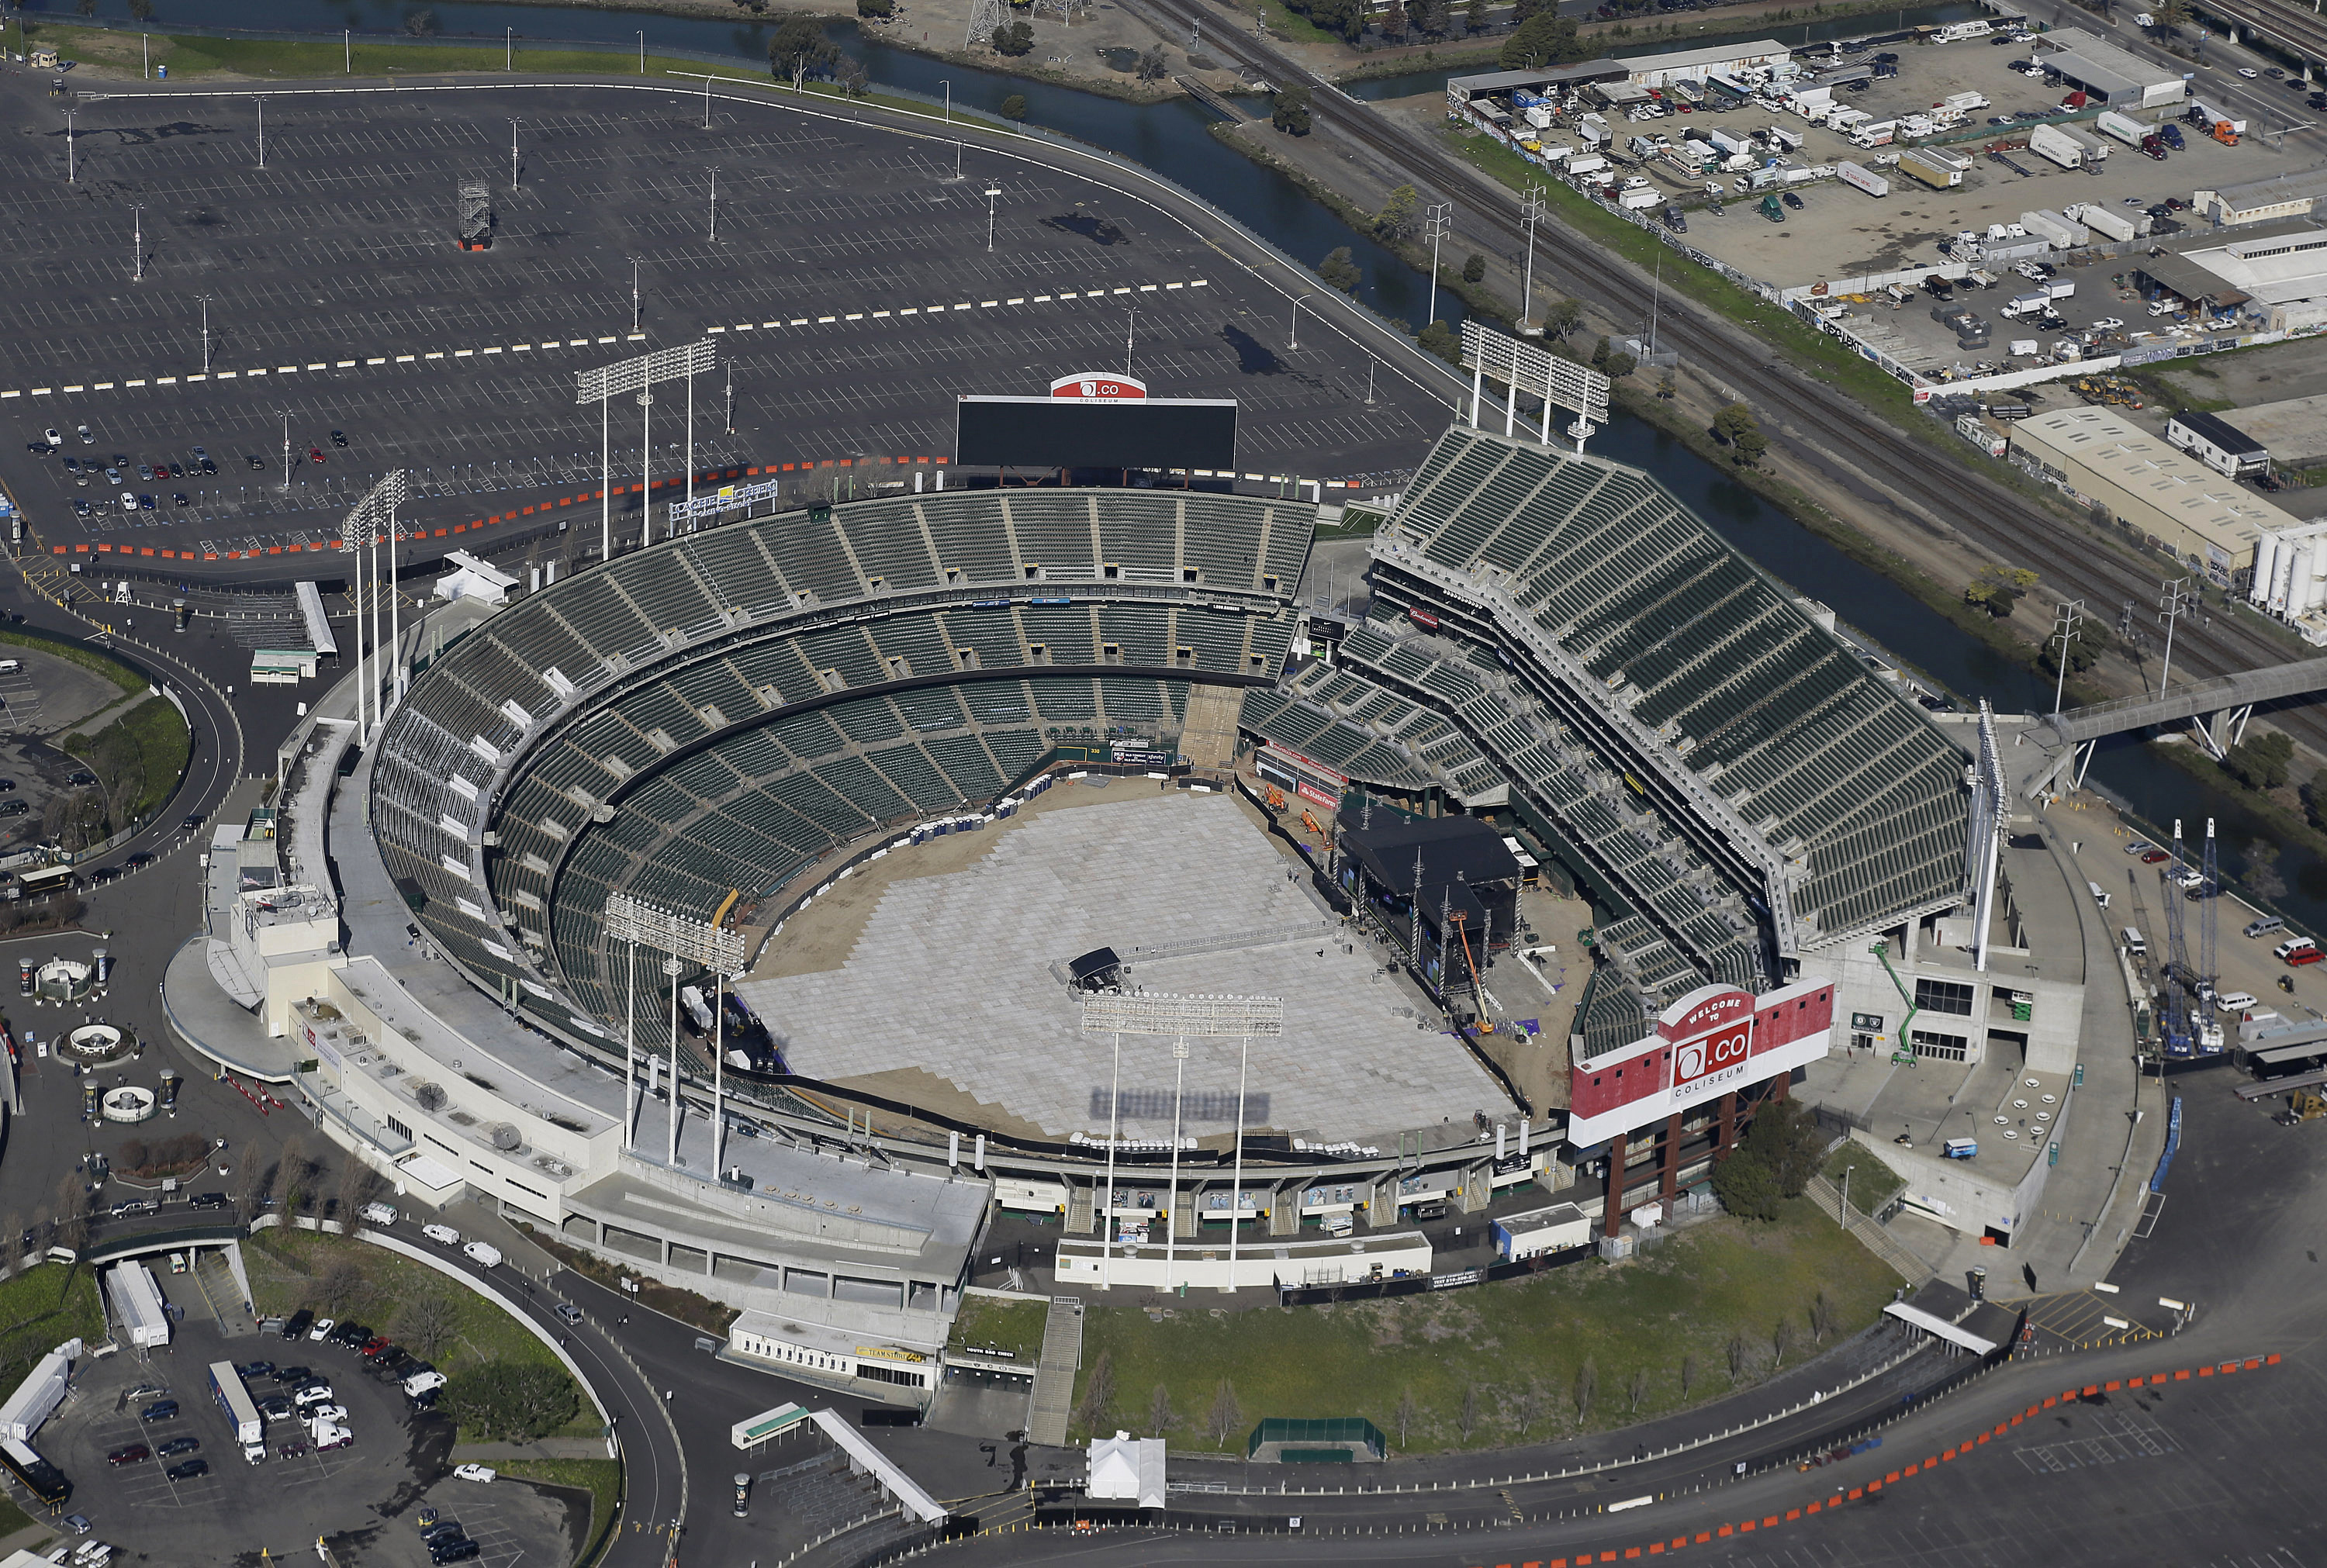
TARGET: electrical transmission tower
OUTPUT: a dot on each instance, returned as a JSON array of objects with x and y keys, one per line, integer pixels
[{"x": 985, "y": 16}]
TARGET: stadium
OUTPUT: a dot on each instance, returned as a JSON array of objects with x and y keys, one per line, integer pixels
[{"x": 959, "y": 853}]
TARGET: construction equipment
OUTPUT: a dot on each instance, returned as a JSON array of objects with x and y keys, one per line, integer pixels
[
  {"x": 2179, "y": 990},
  {"x": 1902, "y": 1053},
  {"x": 2305, "y": 1106},
  {"x": 476, "y": 215},
  {"x": 1461, "y": 923},
  {"x": 1276, "y": 798},
  {"x": 2209, "y": 894},
  {"x": 1310, "y": 823}
]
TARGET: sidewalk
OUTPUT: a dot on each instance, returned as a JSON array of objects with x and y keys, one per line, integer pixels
[{"x": 548, "y": 1448}]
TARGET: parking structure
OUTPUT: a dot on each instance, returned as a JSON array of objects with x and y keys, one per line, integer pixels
[{"x": 850, "y": 288}]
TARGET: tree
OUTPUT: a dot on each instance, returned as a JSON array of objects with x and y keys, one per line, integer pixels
[
  {"x": 1781, "y": 1340},
  {"x": 2315, "y": 799},
  {"x": 1474, "y": 268},
  {"x": 85, "y": 7},
  {"x": 1688, "y": 1372},
  {"x": 343, "y": 1284},
  {"x": 2261, "y": 876},
  {"x": 1561, "y": 317},
  {"x": 1736, "y": 428},
  {"x": 798, "y": 50},
  {"x": 291, "y": 1171},
  {"x": 1097, "y": 1409},
  {"x": 1225, "y": 1415},
  {"x": 512, "y": 1400},
  {"x": 1997, "y": 590},
  {"x": 420, "y": 24},
  {"x": 72, "y": 1212},
  {"x": 2260, "y": 761},
  {"x": 1636, "y": 1388},
  {"x": 1526, "y": 1404},
  {"x": 1747, "y": 1188},
  {"x": 1013, "y": 108},
  {"x": 1152, "y": 65},
  {"x": 1737, "y": 1352},
  {"x": 1017, "y": 38},
  {"x": 1161, "y": 1417},
  {"x": 1587, "y": 1389},
  {"x": 1823, "y": 1317},
  {"x": 255, "y": 1181},
  {"x": 12, "y": 1243},
  {"x": 854, "y": 78},
  {"x": 1784, "y": 1136},
  {"x": 1291, "y": 112},
  {"x": 881, "y": 10},
  {"x": 1340, "y": 270},
  {"x": 1439, "y": 339},
  {"x": 2085, "y": 647},
  {"x": 1619, "y": 366},
  {"x": 1474, "y": 16},
  {"x": 1403, "y": 1416},
  {"x": 141, "y": 10},
  {"x": 1466, "y": 1416},
  {"x": 1544, "y": 39},
  {"x": 1395, "y": 221},
  {"x": 357, "y": 1181},
  {"x": 429, "y": 1321},
  {"x": 2170, "y": 14}
]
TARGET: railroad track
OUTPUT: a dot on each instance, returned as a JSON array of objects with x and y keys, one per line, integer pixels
[{"x": 1817, "y": 424}]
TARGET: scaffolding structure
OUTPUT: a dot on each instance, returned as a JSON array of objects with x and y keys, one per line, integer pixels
[{"x": 475, "y": 210}]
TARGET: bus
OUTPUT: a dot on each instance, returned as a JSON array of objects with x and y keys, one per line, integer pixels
[
  {"x": 41, "y": 1478},
  {"x": 41, "y": 881}
]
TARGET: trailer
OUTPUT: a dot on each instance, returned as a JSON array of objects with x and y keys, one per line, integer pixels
[
  {"x": 2124, "y": 128},
  {"x": 1851, "y": 174},
  {"x": 1930, "y": 170},
  {"x": 1588, "y": 163},
  {"x": 1963, "y": 103},
  {"x": 2102, "y": 220},
  {"x": 2095, "y": 149},
  {"x": 44, "y": 1481},
  {"x": 1555, "y": 1227},
  {"x": 249, "y": 1431},
  {"x": 2055, "y": 229},
  {"x": 1958, "y": 31},
  {"x": 136, "y": 1304},
  {"x": 38, "y": 1396},
  {"x": 2049, "y": 142}
]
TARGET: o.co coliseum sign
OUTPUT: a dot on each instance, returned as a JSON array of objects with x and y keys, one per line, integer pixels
[{"x": 1716, "y": 1039}]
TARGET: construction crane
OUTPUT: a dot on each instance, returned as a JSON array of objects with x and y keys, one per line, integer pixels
[
  {"x": 1471, "y": 963},
  {"x": 1310, "y": 823},
  {"x": 2178, "y": 1025},
  {"x": 2209, "y": 894},
  {"x": 1276, "y": 798}
]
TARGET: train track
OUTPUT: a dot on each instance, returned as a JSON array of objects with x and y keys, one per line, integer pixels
[{"x": 1814, "y": 423}]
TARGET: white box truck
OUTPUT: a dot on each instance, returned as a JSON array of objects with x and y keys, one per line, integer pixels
[
  {"x": 2126, "y": 130},
  {"x": 2050, "y": 143},
  {"x": 1587, "y": 163},
  {"x": 1851, "y": 174},
  {"x": 226, "y": 1387},
  {"x": 1963, "y": 103}
]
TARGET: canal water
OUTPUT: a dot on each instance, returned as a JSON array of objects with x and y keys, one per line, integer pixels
[{"x": 1171, "y": 138}]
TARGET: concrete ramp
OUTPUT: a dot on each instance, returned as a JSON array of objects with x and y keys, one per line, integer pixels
[{"x": 1054, "y": 1378}]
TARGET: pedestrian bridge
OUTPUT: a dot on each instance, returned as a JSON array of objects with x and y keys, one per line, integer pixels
[{"x": 2220, "y": 708}]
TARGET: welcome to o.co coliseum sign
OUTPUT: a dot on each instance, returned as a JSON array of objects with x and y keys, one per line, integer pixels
[{"x": 1716, "y": 1039}]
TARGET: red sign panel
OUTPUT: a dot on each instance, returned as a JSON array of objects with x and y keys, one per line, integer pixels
[
  {"x": 1424, "y": 619},
  {"x": 1713, "y": 1054},
  {"x": 1094, "y": 384},
  {"x": 1308, "y": 791}
]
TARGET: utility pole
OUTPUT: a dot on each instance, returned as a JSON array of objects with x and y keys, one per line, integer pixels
[
  {"x": 262, "y": 133},
  {"x": 715, "y": 205},
  {"x": 1533, "y": 210},
  {"x": 992, "y": 195},
  {"x": 515, "y": 184},
  {"x": 206, "y": 332},
  {"x": 2071, "y": 615},
  {"x": 634, "y": 293},
  {"x": 137, "y": 242},
  {"x": 72, "y": 174},
  {"x": 1292, "y": 335},
  {"x": 2172, "y": 604},
  {"x": 1435, "y": 225}
]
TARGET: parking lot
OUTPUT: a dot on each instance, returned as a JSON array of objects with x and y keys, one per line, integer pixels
[
  {"x": 364, "y": 1499},
  {"x": 1841, "y": 232}
]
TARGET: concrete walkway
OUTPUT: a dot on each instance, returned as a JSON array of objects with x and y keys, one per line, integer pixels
[
  {"x": 1879, "y": 1241},
  {"x": 1054, "y": 1378}
]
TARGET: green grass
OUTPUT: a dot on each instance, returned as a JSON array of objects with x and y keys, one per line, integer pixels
[
  {"x": 121, "y": 675},
  {"x": 600, "y": 1477},
  {"x": 1294, "y": 28},
  {"x": 1872, "y": 1182},
  {"x": 991, "y": 1322},
  {"x": 189, "y": 55},
  {"x": 1519, "y": 1344},
  {"x": 12, "y": 1519},
  {"x": 156, "y": 733},
  {"x": 286, "y": 1268},
  {"x": 40, "y": 1309},
  {"x": 1356, "y": 523}
]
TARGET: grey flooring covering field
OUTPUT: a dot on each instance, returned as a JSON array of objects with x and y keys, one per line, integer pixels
[{"x": 952, "y": 974}]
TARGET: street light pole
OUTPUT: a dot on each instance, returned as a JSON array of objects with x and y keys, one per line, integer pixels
[
  {"x": 287, "y": 450},
  {"x": 206, "y": 333},
  {"x": 642, "y": 54},
  {"x": 72, "y": 174},
  {"x": 137, "y": 242},
  {"x": 514, "y": 182},
  {"x": 993, "y": 194},
  {"x": 715, "y": 203},
  {"x": 634, "y": 293},
  {"x": 1292, "y": 335},
  {"x": 262, "y": 133},
  {"x": 509, "y": 49}
]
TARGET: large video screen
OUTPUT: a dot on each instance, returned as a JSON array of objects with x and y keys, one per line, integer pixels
[{"x": 1081, "y": 433}]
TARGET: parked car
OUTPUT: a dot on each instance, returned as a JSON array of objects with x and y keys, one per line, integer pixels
[
  {"x": 160, "y": 1410},
  {"x": 190, "y": 1470},
  {"x": 377, "y": 1213},
  {"x": 441, "y": 1234},
  {"x": 178, "y": 1445},
  {"x": 298, "y": 1376},
  {"x": 1791, "y": 200},
  {"x": 298, "y": 1322},
  {"x": 319, "y": 1329},
  {"x": 135, "y": 1453},
  {"x": 249, "y": 1370},
  {"x": 473, "y": 1473}
]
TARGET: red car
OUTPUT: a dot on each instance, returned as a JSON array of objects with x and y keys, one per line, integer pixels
[
  {"x": 135, "y": 1453},
  {"x": 315, "y": 452},
  {"x": 2154, "y": 856},
  {"x": 376, "y": 1346}
]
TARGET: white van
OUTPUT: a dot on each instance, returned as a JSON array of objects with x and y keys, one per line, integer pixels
[
  {"x": 11, "y": 666},
  {"x": 377, "y": 1213},
  {"x": 441, "y": 1234},
  {"x": 2235, "y": 1001},
  {"x": 2135, "y": 943},
  {"x": 484, "y": 1252},
  {"x": 2100, "y": 897}
]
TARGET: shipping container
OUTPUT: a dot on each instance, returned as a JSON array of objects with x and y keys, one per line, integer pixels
[
  {"x": 2053, "y": 228},
  {"x": 2128, "y": 130},
  {"x": 1851, "y": 174},
  {"x": 39, "y": 1394},
  {"x": 2102, "y": 220},
  {"x": 2095, "y": 149},
  {"x": 1553, "y": 1228},
  {"x": 1937, "y": 175}
]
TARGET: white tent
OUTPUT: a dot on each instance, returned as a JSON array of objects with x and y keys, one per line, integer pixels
[
  {"x": 475, "y": 579},
  {"x": 1127, "y": 1469}
]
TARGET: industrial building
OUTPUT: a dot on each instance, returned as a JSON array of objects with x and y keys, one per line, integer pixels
[
  {"x": 2275, "y": 199},
  {"x": 2276, "y": 279},
  {"x": 2119, "y": 78},
  {"x": 2103, "y": 459},
  {"x": 2217, "y": 443},
  {"x": 1695, "y": 65}
]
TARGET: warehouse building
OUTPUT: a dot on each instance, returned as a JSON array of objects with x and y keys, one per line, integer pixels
[
  {"x": 2273, "y": 201},
  {"x": 1695, "y": 65},
  {"x": 2105, "y": 460},
  {"x": 2122, "y": 80},
  {"x": 2279, "y": 279}
]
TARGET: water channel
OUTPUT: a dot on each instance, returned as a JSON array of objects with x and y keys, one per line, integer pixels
[{"x": 1170, "y": 138}]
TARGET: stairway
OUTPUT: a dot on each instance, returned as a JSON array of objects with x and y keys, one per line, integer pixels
[
  {"x": 1878, "y": 1240},
  {"x": 1207, "y": 737},
  {"x": 215, "y": 1280},
  {"x": 1054, "y": 1378}
]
